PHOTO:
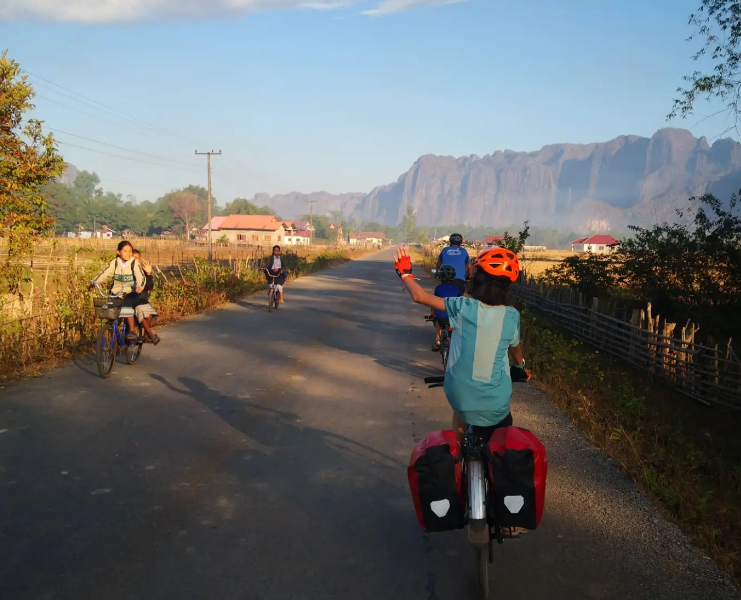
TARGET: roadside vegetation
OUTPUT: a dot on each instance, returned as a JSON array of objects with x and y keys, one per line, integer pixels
[
  {"x": 683, "y": 455},
  {"x": 65, "y": 321}
]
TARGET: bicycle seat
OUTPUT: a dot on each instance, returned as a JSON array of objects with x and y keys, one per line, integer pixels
[{"x": 483, "y": 433}]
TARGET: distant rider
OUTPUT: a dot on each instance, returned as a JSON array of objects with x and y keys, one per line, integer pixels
[
  {"x": 274, "y": 267},
  {"x": 447, "y": 289},
  {"x": 458, "y": 258}
]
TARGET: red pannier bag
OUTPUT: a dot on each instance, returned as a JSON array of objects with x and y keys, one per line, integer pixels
[
  {"x": 517, "y": 472},
  {"x": 436, "y": 480}
]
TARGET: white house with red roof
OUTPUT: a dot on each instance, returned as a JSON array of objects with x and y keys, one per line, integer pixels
[
  {"x": 250, "y": 230},
  {"x": 600, "y": 243},
  {"x": 295, "y": 236}
]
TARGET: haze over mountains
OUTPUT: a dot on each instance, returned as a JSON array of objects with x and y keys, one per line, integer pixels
[{"x": 599, "y": 186}]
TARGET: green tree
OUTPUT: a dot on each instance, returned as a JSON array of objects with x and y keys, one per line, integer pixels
[
  {"x": 28, "y": 160},
  {"x": 409, "y": 226},
  {"x": 242, "y": 206},
  {"x": 88, "y": 184},
  {"x": 321, "y": 226},
  {"x": 517, "y": 243},
  {"x": 718, "y": 24}
]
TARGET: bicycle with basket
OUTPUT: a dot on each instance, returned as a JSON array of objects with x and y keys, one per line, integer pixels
[{"x": 111, "y": 340}]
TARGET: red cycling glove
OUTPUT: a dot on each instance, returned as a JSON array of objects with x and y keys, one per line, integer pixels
[{"x": 403, "y": 266}]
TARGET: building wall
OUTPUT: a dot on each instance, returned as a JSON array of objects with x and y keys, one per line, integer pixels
[
  {"x": 296, "y": 240},
  {"x": 251, "y": 237}
]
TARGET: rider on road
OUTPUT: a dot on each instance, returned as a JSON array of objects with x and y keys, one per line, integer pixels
[
  {"x": 458, "y": 258},
  {"x": 274, "y": 266},
  {"x": 485, "y": 341}
]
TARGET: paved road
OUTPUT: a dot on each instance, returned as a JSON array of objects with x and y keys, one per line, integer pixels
[{"x": 259, "y": 456}]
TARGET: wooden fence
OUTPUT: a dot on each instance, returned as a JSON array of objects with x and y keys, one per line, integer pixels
[{"x": 707, "y": 373}]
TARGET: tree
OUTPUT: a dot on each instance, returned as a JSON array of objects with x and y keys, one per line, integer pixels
[
  {"x": 517, "y": 244},
  {"x": 718, "y": 22},
  {"x": 185, "y": 206},
  {"x": 242, "y": 206},
  {"x": 321, "y": 225},
  {"x": 28, "y": 160},
  {"x": 409, "y": 226},
  {"x": 87, "y": 184}
]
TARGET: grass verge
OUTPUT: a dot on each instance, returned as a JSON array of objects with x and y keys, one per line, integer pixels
[
  {"x": 66, "y": 322},
  {"x": 683, "y": 455}
]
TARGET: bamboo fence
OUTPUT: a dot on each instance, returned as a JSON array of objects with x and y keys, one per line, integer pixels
[{"x": 707, "y": 373}]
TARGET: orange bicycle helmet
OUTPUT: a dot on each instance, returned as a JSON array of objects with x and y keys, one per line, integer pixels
[{"x": 499, "y": 262}]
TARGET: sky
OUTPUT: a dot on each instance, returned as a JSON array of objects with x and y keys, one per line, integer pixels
[{"x": 339, "y": 95}]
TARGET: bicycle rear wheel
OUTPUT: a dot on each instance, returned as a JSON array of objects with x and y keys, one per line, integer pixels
[
  {"x": 482, "y": 571},
  {"x": 444, "y": 351},
  {"x": 105, "y": 350},
  {"x": 132, "y": 352}
]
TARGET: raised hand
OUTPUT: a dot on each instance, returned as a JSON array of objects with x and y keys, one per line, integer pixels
[{"x": 402, "y": 263}]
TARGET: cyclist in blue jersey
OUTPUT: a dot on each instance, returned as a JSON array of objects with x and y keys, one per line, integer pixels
[
  {"x": 458, "y": 258},
  {"x": 446, "y": 289}
]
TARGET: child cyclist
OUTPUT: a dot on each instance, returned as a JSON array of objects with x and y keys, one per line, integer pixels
[
  {"x": 447, "y": 289},
  {"x": 144, "y": 310},
  {"x": 127, "y": 282},
  {"x": 275, "y": 273},
  {"x": 485, "y": 341}
]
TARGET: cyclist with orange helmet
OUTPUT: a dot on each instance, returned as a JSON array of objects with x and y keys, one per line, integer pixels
[{"x": 486, "y": 339}]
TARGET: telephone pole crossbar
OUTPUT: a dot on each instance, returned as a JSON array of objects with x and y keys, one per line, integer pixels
[{"x": 209, "y": 154}]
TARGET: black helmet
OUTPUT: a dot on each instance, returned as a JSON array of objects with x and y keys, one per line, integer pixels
[
  {"x": 456, "y": 239},
  {"x": 447, "y": 273}
]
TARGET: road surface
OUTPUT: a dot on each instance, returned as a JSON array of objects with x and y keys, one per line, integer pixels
[{"x": 263, "y": 456}]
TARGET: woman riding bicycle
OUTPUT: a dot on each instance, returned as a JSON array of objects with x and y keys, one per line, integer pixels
[
  {"x": 275, "y": 274},
  {"x": 486, "y": 339},
  {"x": 128, "y": 282}
]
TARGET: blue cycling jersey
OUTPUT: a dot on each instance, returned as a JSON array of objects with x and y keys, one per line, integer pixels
[{"x": 456, "y": 257}]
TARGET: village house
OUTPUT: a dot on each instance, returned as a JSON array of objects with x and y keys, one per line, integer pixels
[
  {"x": 250, "y": 230},
  {"x": 367, "y": 238},
  {"x": 295, "y": 236},
  {"x": 600, "y": 243},
  {"x": 493, "y": 241}
]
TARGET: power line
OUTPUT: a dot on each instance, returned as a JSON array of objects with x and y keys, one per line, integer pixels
[
  {"x": 122, "y": 148},
  {"x": 124, "y": 157},
  {"x": 101, "y": 104},
  {"x": 79, "y": 110},
  {"x": 234, "y": 169}
]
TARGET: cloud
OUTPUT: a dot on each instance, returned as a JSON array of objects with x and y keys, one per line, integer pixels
[
  {"x": 387, "y": 7},
  {"x": 111, "y": 11}
]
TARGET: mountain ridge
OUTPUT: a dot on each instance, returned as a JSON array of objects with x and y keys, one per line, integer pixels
[{"x": 629, "y": 179}]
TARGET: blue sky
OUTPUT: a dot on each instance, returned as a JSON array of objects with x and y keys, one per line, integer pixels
[{"x": 321, "y": 96}]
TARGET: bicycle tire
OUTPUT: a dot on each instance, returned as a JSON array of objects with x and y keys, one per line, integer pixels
[
  {"x": 105, "y": 351},
  {"x": 445, "y": 350},
  {"x": 276, "y": 301},
  {"x": 133, "y": 352},
  {"x": 270, "y": 302},
  {"x": 482, "y": 571}
]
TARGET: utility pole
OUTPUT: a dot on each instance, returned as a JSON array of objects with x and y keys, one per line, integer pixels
[
  {"x": 208, "y": 154},
  {"x": 311, "y": 204}
]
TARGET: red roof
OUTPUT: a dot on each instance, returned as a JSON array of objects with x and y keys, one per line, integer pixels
[
  {"x": 603, "y": 239},
  {"x": 216, "y": 223},
  {"x": 252, "y": 222},
  {"x": 493, "y": 239},
  {"x": 367, "y": 235}
]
